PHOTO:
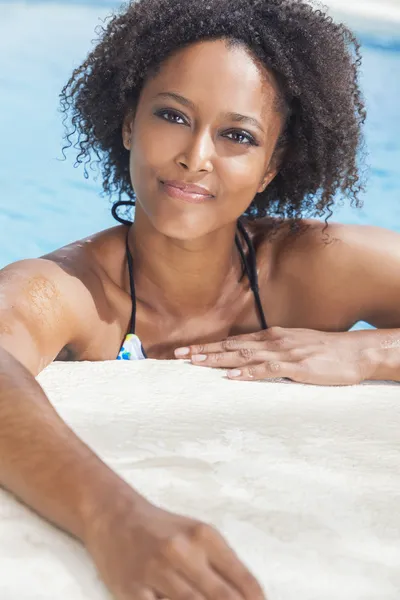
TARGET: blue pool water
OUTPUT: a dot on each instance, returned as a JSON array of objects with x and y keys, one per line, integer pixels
[{"x": 45, "y": 202}]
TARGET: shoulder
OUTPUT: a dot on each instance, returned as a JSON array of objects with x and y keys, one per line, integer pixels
[
  {"x": 92, "y": 271},
  {"x": 91, "y": 260},
  {"x": 355, "y": 267},
  {"x": 347, "y": 248},
  {"x": 341, "y": 245},
  {"x": 60, "y": 298}
]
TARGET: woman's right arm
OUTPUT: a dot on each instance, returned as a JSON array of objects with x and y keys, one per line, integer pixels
[
  {"x": 140, "y": 550},
  {"x": 41, "y": 460}
]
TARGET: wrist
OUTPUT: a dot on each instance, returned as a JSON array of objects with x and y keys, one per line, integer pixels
[
  {"x": 378, "y": 354},
  {"x": 384, "y": 364},
  {"x": 106, "y": 497},
  {"x": 381, "y": 364}
]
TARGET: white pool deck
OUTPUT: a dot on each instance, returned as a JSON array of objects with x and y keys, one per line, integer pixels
[{"x": 303, "y": 481}]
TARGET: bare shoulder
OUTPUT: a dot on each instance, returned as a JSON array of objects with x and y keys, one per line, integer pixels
[
  {"x": 93, "y": 257},
  {"x": 56, "y": 300},
  {"x": 340, "y": 245},
  {"x": 345, "y": 247},
  {"x": 353, "y": 269},
  {"x": 93, "y": 272}
]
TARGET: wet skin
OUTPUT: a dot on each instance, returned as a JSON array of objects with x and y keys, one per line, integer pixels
[{"x": 75, "y": 303}]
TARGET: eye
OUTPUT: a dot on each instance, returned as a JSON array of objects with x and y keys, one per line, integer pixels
[
  {"x": 169, "y": 115},
  {"x": 172, "y": 116},
  {"x": 243, "y": 135}
]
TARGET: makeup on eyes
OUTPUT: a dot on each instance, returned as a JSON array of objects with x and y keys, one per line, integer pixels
[{"x": 161, "y": 112}]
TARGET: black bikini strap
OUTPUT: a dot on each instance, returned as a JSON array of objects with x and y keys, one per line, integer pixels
[
  {"x": 132, "y": 285},
  {"x": 251, "y": 270}
]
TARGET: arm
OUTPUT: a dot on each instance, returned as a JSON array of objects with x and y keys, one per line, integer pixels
[
  {"x": 41, "y": 460},
  {"x": 359, "y": 273},
  {"x": 138, "y": 548},
  {"x": 356, "y": 277},
  {"x": 372, "y": 256}
]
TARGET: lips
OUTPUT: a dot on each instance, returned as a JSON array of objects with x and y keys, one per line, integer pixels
[
  {"x": 184, "y": 192},
  {"x": 188, "y": 188}
]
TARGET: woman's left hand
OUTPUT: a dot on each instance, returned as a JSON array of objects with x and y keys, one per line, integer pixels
[{"x": 302, "y": 355}]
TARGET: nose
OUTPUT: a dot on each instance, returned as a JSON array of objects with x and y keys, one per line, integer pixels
[{"x": 198, "y": 154}]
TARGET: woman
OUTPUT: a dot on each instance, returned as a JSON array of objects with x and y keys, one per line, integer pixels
[{"x": 227, "y": 123}]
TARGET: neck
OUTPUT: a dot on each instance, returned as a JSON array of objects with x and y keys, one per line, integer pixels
[{"x": 184, "y": 277}]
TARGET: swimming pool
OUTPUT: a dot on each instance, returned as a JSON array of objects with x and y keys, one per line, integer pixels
[{"x": 45, "y": 202}]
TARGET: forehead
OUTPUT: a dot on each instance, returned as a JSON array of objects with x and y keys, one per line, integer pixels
[{"x": 213, "y": 74}]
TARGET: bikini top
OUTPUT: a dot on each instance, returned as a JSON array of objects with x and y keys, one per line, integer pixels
[{"x": 132, "y": 348}]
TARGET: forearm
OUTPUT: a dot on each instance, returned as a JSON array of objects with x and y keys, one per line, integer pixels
[
  {"x": 381, "y": 349},
  {"x": 41, "y": 460}
]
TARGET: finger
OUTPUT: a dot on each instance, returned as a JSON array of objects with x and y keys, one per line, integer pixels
[
  {"x": 140, "y": 594},
  {"x": 147, "y": 594},
  {"x": 227, "y": 563},
  {"x": 168, "y": 583},
  {"x": 244, "y": 356},
  {"x": 231, "y": 343},
  {"x": 204, "y": 578},
  {"x": 264, "y": 339},
  {"x": 271, "y": 369}
]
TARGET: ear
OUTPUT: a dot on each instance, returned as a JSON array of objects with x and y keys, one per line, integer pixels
[
  {"x": 127, "y": 130},
  {"x": 273, "y": 168}
]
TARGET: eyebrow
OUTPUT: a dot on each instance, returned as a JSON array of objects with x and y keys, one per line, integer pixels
[{"x": 232, "y": 116}]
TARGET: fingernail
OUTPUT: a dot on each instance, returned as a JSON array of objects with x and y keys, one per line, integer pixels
[
  {"x": 199, "y": 357},
  {"x": 234, "y": 373},
  {"x": 182, "y": 351}
]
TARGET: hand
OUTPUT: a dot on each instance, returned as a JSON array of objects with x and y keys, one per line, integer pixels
[
  {"x": 302, "y": 355},
  {"x": 144, "y": 553}
]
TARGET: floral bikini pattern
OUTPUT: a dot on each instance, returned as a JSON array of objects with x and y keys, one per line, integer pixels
[{"x": 131, "y": 349}]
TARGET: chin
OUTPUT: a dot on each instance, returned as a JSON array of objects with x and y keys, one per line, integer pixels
[
  {"x": 178, "y": 220},
  {"x": 181, "y": 226}
]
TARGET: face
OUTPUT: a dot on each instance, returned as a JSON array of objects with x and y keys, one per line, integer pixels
[{"x": 209, "y": 118}]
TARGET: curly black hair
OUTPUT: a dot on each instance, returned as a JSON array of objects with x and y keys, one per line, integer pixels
[{"x": 315, "y": 60}]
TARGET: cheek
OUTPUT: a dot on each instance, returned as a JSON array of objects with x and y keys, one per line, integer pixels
[
  {"x": 157, "y": 143},
  {"x": 239, "y": 178},
  {"x": 144, "y": 162},
  {"x": 144, "y": 149},
  {"x": 152, "y": 155},
  {"x": 242, "y": 171}
]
